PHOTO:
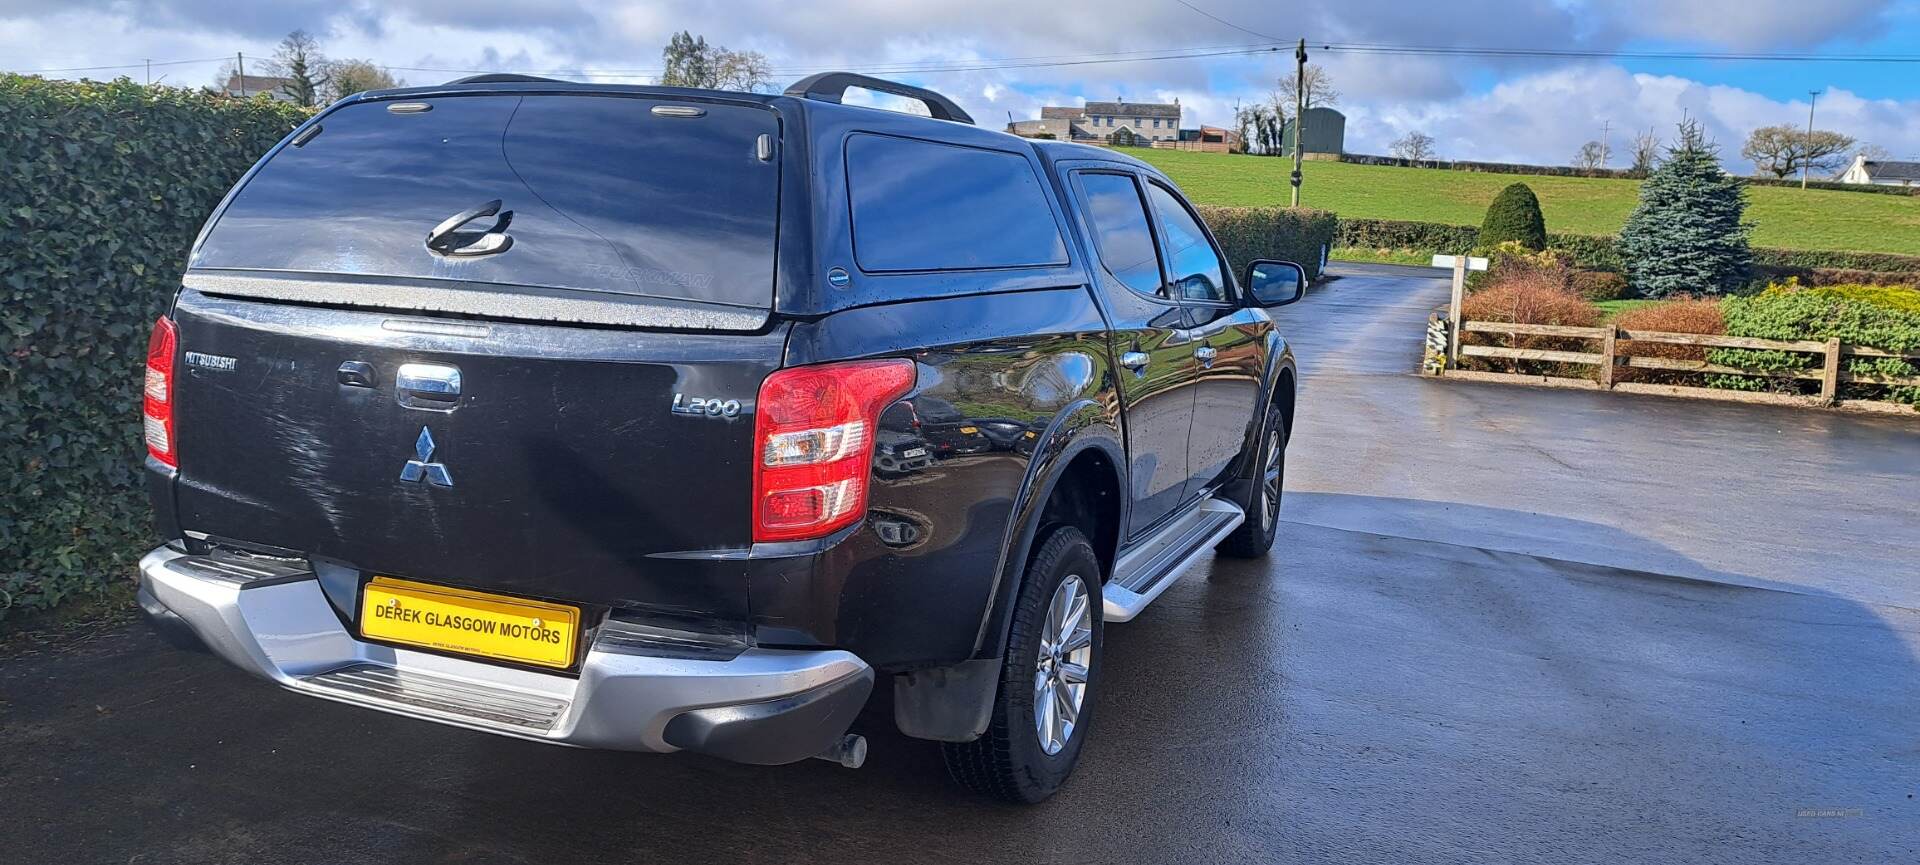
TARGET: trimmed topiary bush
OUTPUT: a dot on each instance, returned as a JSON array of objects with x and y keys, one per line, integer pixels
[
  {"x": 1514, "y": 216},
  {"x": 107, "y": 184}
]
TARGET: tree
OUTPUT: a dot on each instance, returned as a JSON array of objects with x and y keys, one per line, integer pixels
[
  {"x": 1266, "y": 128},
  {"x": 691, "y": 62},
  {"x": 298, "y": 59},
  {"x": 741, "y": 70},
  {"x": 1319, "y": 90},
  {"x": 1786, "y": 149},
  {"x": 1593, "y": 156},
  {"x": 1646, "y": 152},
  {"x": 1687, "y": 236},
  {"x": 1514, "y": 215},
  {"x": 1415, "y": 146},
  {"x": 347, "y": 77}
]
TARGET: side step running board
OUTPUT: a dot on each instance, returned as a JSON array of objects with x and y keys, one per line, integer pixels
[{"x": 1151, "y": 566}]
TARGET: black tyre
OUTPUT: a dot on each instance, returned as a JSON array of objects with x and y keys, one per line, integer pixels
[
  {"x": 1043, "y": 709},
  {"x": 1254, "y": 537}
]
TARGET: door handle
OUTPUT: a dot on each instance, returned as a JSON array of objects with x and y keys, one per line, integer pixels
[
  {"x": 1206, "y": 354},
  {"x": 430, "y": 386},
  {"x": 1134, "y": 360}
]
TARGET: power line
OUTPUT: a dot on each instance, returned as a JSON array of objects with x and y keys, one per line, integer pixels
[{"x": 1220, "y": 20}]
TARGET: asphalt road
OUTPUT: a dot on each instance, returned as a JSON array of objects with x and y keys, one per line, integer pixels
[{"x": 1500, "y": 625}]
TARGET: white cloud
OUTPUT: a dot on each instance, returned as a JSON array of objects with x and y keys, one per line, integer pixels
[{"x": 1541, "y": 113}]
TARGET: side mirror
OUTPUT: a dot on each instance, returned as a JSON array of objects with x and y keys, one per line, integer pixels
[{"x": 1275, "y": 283}]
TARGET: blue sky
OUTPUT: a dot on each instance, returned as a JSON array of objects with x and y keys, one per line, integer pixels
[{"x": 1533, "y": 109}]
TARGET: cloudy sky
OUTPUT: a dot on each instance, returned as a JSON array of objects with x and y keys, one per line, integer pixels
[{"x": 1525, "y": 109}]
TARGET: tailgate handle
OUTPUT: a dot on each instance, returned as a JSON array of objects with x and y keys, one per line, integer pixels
[{"x": 430, "y": 386}]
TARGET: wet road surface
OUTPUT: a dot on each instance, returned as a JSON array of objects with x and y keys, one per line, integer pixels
[{"x": 1500, "y": 625}]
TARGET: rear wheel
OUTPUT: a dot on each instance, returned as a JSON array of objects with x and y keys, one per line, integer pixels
[
  {"x": 1043, "y": 708},
  {"x": 1254, "y": 537}
]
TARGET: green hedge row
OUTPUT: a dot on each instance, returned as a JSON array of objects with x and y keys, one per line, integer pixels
[
  {"x": 1600, "y": 252},
  {"x": 107, "y": 186},
  {"x": 1291, "y": 234}
]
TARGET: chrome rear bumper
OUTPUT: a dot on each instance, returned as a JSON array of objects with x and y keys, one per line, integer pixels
[{"x": 761, "y": 706}]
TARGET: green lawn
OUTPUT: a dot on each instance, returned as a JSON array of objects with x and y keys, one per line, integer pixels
[
  {"x": 1611, "y": 309},
  {"x": 1787, "y": 218}
]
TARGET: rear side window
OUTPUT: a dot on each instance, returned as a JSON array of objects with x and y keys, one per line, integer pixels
[
  {"x": 918, "y": 205},
  {"x": 609, "y": 199},
  {"x": 1121, "y": 232}
]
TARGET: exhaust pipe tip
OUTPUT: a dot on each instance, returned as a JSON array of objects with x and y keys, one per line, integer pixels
[{"x": 850, "y": 751}]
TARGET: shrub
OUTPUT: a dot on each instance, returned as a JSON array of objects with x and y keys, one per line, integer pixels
[
  {"x": 1598, "y": 285},
  {"x": 107, "y": 185},
  {"x": 1432, "y": 237},
  {"x": 1602, "y": 252},
  {"x": 1687, "y": 236},
  {"x": 1770, "y": 275},
  {"x": 1514, "y": 216},
  {"x": 1529, "y": 297},
  {"x": 1512, "y": 258},
  {"x": 1848, "y": 313},
  {"x": 1682, "y": 315},
  {"x": 1300, "y": 235}
]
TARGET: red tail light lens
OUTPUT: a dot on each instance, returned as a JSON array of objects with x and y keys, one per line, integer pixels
[
  {"x": 813, "y": 444},
  {"x": 157, "y": 408}
]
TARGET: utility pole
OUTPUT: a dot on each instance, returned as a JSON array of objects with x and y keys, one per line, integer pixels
[
  {"x": 1806, "y": 147},
  {"x": 240, "y": 63},
  {"x": 1606, "y": 142},
  {"x": 149, "y": 62},
  {"x": 1299, "y": 115}
]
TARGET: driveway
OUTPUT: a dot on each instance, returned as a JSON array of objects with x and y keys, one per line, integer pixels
[{"x": 1500, "y": 625}]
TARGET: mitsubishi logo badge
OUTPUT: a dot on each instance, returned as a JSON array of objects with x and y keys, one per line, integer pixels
[{"x": 423, "y": 468}]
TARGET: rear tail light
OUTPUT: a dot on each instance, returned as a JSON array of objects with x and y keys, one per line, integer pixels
[
  {"x": 157, "y": 407},
  {"x": 813, "y": 444}
]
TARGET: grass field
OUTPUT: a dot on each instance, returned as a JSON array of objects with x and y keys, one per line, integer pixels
[{"x": 1787, "y": 218}]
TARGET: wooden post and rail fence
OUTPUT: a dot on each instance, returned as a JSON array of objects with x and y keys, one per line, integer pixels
[{"x": 1444, "y": 353}]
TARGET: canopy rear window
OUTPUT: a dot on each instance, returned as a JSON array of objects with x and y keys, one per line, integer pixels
[{"x": 610, "y": 199}]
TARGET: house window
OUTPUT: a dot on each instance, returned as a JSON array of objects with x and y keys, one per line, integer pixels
[{"x": 1156, "y": 123}]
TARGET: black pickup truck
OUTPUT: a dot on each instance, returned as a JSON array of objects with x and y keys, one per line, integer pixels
[{"x": 659, "y": 419}]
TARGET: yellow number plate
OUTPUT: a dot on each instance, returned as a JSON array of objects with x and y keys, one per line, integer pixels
[{"x": 471, "y": 623}]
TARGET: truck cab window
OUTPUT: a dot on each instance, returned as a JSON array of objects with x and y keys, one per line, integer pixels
[{"x": 1197, "y": 271}]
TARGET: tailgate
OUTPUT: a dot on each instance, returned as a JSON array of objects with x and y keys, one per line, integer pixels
[{"x": 559, "y": 470}]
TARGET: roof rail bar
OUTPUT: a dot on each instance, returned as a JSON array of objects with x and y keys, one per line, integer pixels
[
  {"x": 503, "y": 78},
  {"x": 832, "y": 87}
]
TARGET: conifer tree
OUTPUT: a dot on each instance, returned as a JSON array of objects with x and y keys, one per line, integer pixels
[{"x": 1687, "y": 235}]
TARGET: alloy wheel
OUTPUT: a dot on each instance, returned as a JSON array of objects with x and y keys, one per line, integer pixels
[{"x": 1060, "y": 671}]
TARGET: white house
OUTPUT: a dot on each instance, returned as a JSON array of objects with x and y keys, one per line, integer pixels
[{"x": 1881, "y": 172}]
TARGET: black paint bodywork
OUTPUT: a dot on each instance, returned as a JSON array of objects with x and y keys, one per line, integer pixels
[{"x": 574, "y": 482}]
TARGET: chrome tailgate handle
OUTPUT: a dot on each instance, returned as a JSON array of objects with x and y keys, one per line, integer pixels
[{"x": 429, "y": 386}]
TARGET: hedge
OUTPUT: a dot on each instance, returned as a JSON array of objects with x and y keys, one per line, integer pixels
[
  {"x": 1600, "y": 252},
  {"x": 1291, "y": 234},
  {"x": 1606, "y": 173},
  {"x": 107, "y": 186}
]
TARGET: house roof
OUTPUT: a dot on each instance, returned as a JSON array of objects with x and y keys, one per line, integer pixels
[
  {"x": 1134, "y": 109},
  {"x": 1057, "y": 112},
  {"x": 1887, "y": 169}
]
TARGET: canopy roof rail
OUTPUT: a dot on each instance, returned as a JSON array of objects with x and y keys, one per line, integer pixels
[
  {"x": 832, "y": 87},
  {"x": 504, "y": 78}
]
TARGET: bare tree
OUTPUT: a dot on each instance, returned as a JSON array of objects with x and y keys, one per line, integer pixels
[
  {"x": 1874, "y": 153},
  {"x": 1319, "y": 90},
  {"x": 741, "y": 70},
  {"x": 1593, "y": 156},
  {"x": 691, "y": 62},
  {"x": 1646, "y": 152},
  {"x": 298, "y": 59},
  {"x": 347, "y": 77},
  {"x": 1785, "y": 149},
  {"x": 1415, "y": 146}
]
